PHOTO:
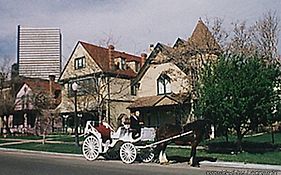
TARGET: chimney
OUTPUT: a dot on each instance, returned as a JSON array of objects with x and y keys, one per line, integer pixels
[
  {"x": 51, "y": 84},
  {"x": 143, "y": 58},
  {"x": 151, "y": 47},
  {"x": 110, "y": 57}
]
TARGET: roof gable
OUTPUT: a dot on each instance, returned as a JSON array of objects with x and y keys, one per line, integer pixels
[
  {"x": 104, "y": 59},
  {"x": 158, "y": 49},
  {"x": 69, "y": 70}
]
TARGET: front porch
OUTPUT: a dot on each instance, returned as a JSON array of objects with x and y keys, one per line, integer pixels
[{"x": 160, "y": 110}]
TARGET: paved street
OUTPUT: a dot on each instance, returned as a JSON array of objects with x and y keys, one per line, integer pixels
[
  {"x": 15, "y": 163},
  {"x": 20, "y": 163}
]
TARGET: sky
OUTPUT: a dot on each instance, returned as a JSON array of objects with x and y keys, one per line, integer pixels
[{"x": 132, "y": 24}]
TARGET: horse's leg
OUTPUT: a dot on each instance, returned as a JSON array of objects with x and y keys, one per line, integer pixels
[
  {"x": 162, "y": 154},
  {"x": 192, "y": 160}
]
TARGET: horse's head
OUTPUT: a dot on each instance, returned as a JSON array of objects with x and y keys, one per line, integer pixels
[{"x": 208, "y": 128}]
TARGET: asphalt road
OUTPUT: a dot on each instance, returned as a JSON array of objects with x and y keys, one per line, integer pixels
[{"x": 18, "y": 163}]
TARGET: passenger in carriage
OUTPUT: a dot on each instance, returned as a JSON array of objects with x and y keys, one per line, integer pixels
[
  {"x": 104, "y": 128},
  {"x": 136, "y": 124}
]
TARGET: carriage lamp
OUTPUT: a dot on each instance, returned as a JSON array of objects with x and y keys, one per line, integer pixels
[{"x": 74, "y": 88}]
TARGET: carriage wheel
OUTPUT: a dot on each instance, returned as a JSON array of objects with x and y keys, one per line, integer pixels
[
  {"x": 90, "y": 148},
  {"x": 128, "y": 153},
  {"x": 147, "y": 156}
]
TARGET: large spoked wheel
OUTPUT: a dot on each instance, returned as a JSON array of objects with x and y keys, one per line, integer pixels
[
  {"x": 128, "y": 153},
  {"x": 90, "y": 148},
  {"x": 147, "y": 156}
]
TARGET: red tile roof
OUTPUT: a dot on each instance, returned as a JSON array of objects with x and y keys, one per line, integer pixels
[
  {"x": 101, "y": 56},
  {"x": 42, "y": 86}
]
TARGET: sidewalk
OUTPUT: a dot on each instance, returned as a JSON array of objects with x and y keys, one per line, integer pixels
[
  {"x": 21, "y": 141},
  {"x": 240, "y": 165}
]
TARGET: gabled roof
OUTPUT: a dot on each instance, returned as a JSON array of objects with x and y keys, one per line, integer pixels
[
  {"x": 200, "y": 40},
  {"x": 159, "y": 47},
  {"x": 179, "y": 42},
  {"x": 102, "y": 55}
]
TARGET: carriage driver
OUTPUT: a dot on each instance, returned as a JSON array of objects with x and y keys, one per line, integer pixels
[{"x": 136, "y": 124}]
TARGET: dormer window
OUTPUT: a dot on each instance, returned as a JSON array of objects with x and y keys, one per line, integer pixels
[
  {"x": 164, "y": 85},
  {"x": 79, "y": 63},
  {"x": 122, "y": 64}
]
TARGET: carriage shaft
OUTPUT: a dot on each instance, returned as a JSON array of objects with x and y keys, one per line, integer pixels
[{"x": 164, "y": 140}]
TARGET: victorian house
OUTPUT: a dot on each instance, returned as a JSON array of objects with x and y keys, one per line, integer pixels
[
  {"x": 103, "y": 76},
  {"x": 164, "y": 87},
  {"x": 35, "y": 104}
]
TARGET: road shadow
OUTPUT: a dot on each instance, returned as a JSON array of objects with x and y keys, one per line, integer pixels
[{"x": 181, "y": 159}]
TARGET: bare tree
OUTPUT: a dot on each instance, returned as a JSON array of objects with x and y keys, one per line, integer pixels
[
  {"x": 266, "y": 36},
  {"x": 241, "y": 41},
  {"x": 96, "y": 92},
  {"x": 108, "y": 39},
  {"x": 6, "y": 95}
]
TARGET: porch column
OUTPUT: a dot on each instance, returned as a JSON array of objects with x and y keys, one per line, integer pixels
[{"x": 1, "y": 126}]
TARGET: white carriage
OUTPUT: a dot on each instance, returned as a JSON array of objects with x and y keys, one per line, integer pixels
[{"x": 103, "y": 140}]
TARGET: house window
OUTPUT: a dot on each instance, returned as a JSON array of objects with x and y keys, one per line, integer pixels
[
  {"x": 133, "y": 90},
  {"x": 164, "y": 85},
  {"x": 79, "y": 63},
  {"x": 85, "y": 87}
]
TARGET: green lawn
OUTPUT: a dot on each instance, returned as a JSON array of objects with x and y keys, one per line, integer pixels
[
  {"x": 64, "y": 138},
  {"x": 264, "y": 138}
]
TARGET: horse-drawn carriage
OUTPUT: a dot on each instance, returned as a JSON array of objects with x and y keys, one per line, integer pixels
[{"x": 101, "y": 139}]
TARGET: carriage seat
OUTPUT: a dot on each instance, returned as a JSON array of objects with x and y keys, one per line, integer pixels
[{"x": 104, "y": 131}]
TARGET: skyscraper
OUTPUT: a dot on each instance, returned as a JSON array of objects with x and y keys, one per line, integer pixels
[{"x": 39, "y": 52}]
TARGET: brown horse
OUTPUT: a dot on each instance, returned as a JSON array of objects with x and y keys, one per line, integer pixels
[{"x": 200, "y": 129}]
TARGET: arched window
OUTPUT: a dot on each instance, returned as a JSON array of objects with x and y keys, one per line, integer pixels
[{"x": 164, "y": 85}]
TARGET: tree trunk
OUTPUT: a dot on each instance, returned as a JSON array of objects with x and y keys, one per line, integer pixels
[
  {"x": 239, "y": 140},
  {"x": 6, "y": 124},
  {"x": 272, "y": 135},
  {"x": 44, "y": 138},
  {"x": 226, "y": 135}
]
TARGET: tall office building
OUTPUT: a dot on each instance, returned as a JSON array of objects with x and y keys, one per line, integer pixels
[{"x": 39, "y": 52}]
